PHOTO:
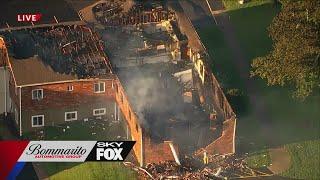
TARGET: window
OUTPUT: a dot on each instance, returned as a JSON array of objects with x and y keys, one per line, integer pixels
[
  {"x": 70, "y": 116},
  {"x": 37, "y": 121},
  {"x": 70, "y": 88},
  {"x": 37, "y": 94},
  {"x": 99, "y": 87},
  {"x": 99, "y": 112}
]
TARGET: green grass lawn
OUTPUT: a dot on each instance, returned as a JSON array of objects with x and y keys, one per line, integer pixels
[
  {"x": 234, "y": 4},
  {"x": 251, "y": 28},
  {"x": 80, "y": 130},
  {"x": 259, "y": 159},
  {"x": 305, "y": 158},
  {"x": 289, "y": 123},
  {"x": 221, "y": 57},
  {"x": 96, "y": 170}
]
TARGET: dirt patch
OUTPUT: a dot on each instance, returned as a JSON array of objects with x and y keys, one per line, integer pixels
[{"x": 280, "y": 160}]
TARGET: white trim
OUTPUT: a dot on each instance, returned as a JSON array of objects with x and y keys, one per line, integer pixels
[
  {"x": 99, "y": 91},
  {"x": 71, "y": 112},
  {"x": 99, "y": 114},
  {"x": 35, "y": 117},
  {"x": 36, "y": 98}
]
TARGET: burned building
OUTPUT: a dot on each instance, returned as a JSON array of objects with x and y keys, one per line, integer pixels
[
  {"x": 54, "y": 72},
  {"x": 141, "y": 67},
  {"x": 176, "y": 97}
]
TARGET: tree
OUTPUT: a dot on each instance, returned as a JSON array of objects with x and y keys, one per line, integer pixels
[{"x": 295, "y": 58}]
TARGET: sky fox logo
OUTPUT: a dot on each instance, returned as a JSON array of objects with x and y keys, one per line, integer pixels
[{"x": 111, "y": 150}]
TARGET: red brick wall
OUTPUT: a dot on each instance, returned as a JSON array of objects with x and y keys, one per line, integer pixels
[
  {"x": 156, "y": 153},
  {"x": 131, "y": 118},
  {"x": 57, "y": 95},
  {"x": 3, "y": 53},
  {"x": 151, "y": 152}
]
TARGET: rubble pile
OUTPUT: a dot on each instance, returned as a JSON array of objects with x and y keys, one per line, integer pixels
[
  {"x": 117, "y": 13},
  {"x": 219, "y": 167}
]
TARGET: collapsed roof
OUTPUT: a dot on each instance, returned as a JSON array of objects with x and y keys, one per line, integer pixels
[{"x": 58, "y": 54}]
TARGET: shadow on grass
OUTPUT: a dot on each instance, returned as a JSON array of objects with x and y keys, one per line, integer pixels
[{"x": 240, "y": 105}]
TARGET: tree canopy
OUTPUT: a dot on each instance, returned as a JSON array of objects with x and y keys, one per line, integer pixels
[{"x": 295, "y": 58}]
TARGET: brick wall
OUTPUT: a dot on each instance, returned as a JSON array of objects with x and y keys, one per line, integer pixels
[
  {"x": 132, "y": 121},
  {"x": 3, "y": 53},
  {"x": 57, "y": 99},
  {"x": 156, "y": 153},
  {"x": 145, "y": 151},
  {"x": 57, "y": 95},
  {"x": 56, "y": 116}
]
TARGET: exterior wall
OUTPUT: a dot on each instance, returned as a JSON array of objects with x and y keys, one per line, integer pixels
[
  {"x": 145, "y": 151},
  {"x": 156, "y": 153},
  {"x": 57, "y": 100},
  {"x": 57, "y": 95},
  {"x": 55, "y": 116},
  {"x": 3, "y": 53},
  {"x": 132, "y": 122}
]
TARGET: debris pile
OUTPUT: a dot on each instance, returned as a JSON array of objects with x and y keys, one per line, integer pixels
[
  {"x": 116, "y": 13},
  {"x": 219, "y": 167}
]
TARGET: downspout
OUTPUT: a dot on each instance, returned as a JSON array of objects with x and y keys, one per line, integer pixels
[{"x": 20, "y": 125}]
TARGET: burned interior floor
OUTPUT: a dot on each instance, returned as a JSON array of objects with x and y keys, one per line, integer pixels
[{"x": 165, "y": 107}]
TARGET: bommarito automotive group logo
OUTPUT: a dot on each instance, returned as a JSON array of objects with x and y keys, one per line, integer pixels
[
  {"x": 76, "y": 151},
  {"x": 39, "y": 152}
]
